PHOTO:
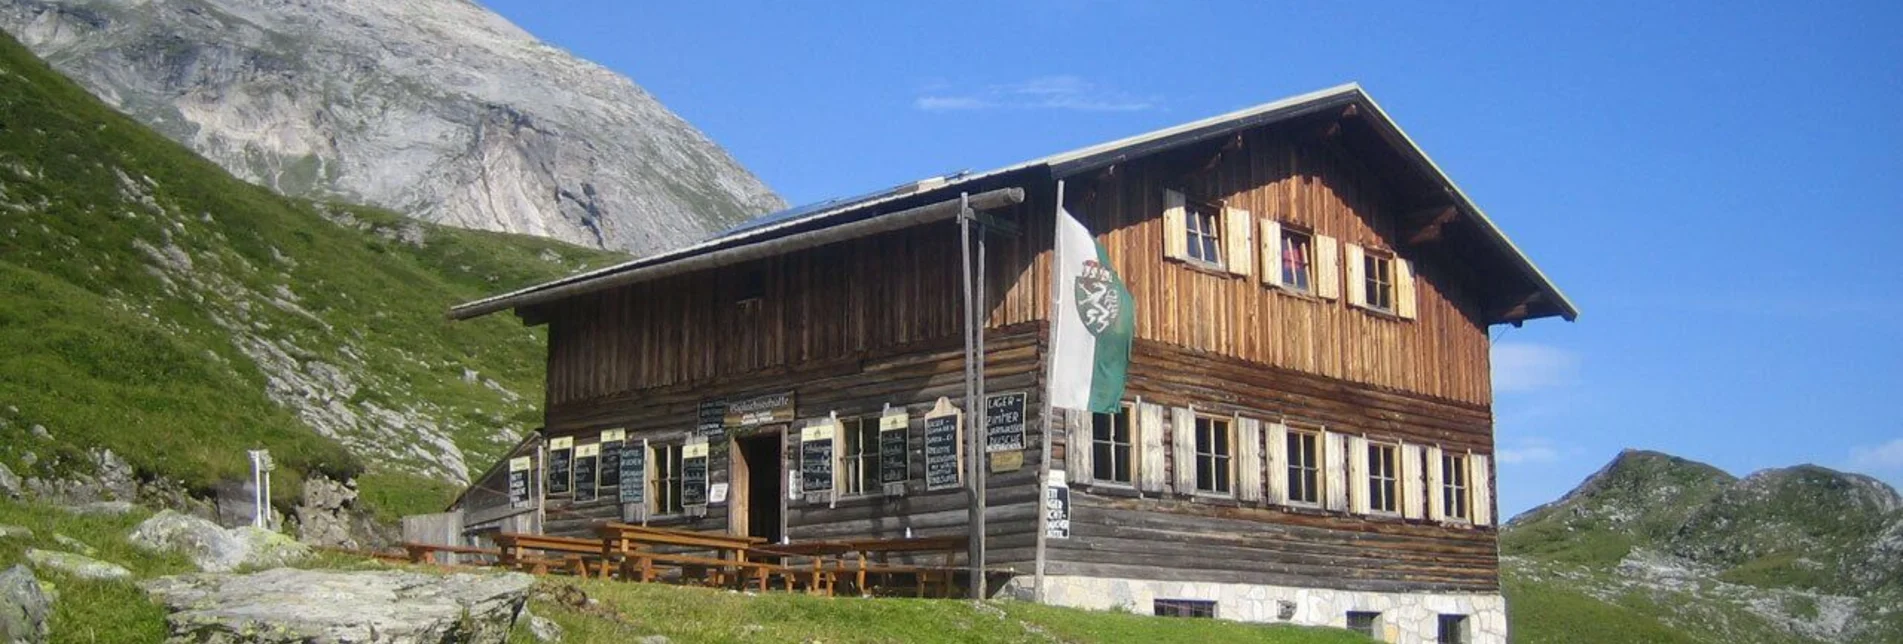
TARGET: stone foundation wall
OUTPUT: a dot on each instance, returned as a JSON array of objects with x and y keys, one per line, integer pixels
[{"x": 1405, "y": 618}]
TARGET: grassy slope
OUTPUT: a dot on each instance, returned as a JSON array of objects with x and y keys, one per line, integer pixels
[{"x": 110, "y": 344}]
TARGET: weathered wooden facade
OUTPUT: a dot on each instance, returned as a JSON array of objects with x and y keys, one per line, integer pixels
[{"x": 1309, "y": 405}]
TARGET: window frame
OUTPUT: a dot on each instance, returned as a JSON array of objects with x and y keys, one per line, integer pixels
[
  {"x": 1307, "y": 238},
  {"x": 1451, "y": 491},
  {"x": 850, "y": 462},
  {"x": 1392, "y": 479},
  {"x": 1378, "y": 280},
  {"x": 1196, "y": 213},
  {"x": 1373, "y": 626},
  {"x": 1184, "y": 608},
  {"x": 1227, "y": 477},
  {"x": 665, "y": 486},
  {"x": 1316, "y": 468},
  {"x": 1127, "y": 412},
  {"x": 1460, "y": 629}
]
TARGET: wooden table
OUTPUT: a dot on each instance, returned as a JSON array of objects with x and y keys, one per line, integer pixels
[
  {"x": 640, "y": 547},
  {"x": 873, "y": 557},
  {"x": 423, "y": 552},
  {"x": 575, "y": 553}
]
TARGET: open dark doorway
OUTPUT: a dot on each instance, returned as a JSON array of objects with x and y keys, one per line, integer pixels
[{"x": 762, "y": 503}]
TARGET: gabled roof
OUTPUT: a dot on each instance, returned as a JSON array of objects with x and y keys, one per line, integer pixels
[{"x": 802, "y": 219}]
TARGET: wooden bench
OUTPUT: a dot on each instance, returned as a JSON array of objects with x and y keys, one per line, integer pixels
[
  {"x": 425, "y": 552},
  {"x": 571, "y": 554},
  {"x": 640, "y": 548},
  {"x": 873, "y": 557}
]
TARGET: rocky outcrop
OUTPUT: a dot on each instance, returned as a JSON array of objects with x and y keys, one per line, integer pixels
[
  {"x": 213, "y": 548},
  {"x": 326, "y": 516},
  {"x": 287, "y": 605},
  {"x": 435, "y": 108},
  {"x": 80, "y": 566},
  {"x": 24, "y": 607}
]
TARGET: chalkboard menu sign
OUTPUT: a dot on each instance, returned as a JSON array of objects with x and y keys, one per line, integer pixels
[
  {"x": 894, "y": 462},
  {"x": 1004, "y": 422},
  {"x": 519, "y": 480},
  {"x": 561, "y": 464},
  {"x": 694, "y": 474},
  {"x": 1056, "y": 507},
  {"x": 712, "y": 419},
  {"x": 634, "y": 472},
  {"x": 611, "y": 457},
  {"x": 586, "y": 458},
  {"x": 816, "y": 456},
  {"x": 941, "y": 447}
]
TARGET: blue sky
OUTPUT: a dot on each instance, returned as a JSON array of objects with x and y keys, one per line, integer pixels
[{"x": 1717, "y": 187}]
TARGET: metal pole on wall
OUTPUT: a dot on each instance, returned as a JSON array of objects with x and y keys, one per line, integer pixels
[
  {"x": 974, "y": 555},
  {"x": 1044, "y": 418}
]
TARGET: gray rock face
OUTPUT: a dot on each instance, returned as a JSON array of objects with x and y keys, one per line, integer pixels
[
  {"x": 79, "y": 566},
  {"x": 324, "y": 516},
  {"x": 213, "y": 548},
  {"x": 102, "y": 508},
  {"x": 289, "y": 605},
  {"x": 15, "y": 532},
  {"x": 435, "y": 108},
  {"x": 24, "y": 607},
  {"x": 544, "y": 629},
  {"x": 9, "y": 483}
]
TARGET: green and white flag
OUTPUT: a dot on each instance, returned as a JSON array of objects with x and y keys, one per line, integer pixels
[{"x": 1094, "y": 321}]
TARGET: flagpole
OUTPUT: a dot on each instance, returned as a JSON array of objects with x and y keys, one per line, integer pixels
[{"x": 1044, "y": 412}]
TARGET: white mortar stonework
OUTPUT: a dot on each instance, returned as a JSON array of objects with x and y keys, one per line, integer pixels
[{"x": 1406, "y": 618}]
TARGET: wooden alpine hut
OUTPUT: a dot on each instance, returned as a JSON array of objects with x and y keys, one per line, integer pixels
[{"x": 1306, "y": 434}]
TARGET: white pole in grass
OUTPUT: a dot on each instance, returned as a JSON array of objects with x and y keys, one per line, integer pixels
[{"x": 257, "y": 489}]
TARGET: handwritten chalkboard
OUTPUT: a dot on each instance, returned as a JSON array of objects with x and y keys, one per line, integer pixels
[
  {"x": 894, "y": 450},
  {"x": 712, "y": 418},
  {"x": 816, "y": 464},
  {"x": 611, "y": 464},
  {"x": 1004, "y": 422},
  {"x": 634, "y": 473},
  {"x": 561, "y": 464},
  {"x": 519, "y": 480},
  {"x": 694, "y": 478},
  {"x": 941, "y": 452},
  {"x": 586, "y": 458}
]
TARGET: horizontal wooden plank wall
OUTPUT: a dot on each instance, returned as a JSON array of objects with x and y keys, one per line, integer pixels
[
  {"x": 913, "y": 376},
  {"x": 1168, "y": 536},
  {"x": 836, "y": 302},
  {"x": 1443, "y": 353}
]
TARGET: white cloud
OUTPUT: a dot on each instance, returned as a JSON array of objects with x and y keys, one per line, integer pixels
[
  {"x": 1060, "y": 92},
  {"x": 1886, "y": 458},
  {"x": 1526, "y": 454},
  {"x": 1524, "y": 366}
]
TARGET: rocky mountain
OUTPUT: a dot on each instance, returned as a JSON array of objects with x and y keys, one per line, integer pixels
[
  {"x": 161, "y": 318},
  {"x": 1800, "y": 554},
  {"x": 439, "y": 109}
]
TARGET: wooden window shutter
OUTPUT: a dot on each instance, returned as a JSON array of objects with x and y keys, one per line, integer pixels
[
  {"x": 1175, "y": 226},
  {"x": 1411, "y": 487},
  {"x": 1479, "y": 468},
  {"x": 1150, "y": 429},
  {"x": 1358, "y": 474},
  {"x": 1248, "y": 459},
  {"x": 1183, "y": 433},
  {"x": 1271, "y": 244},
  {"x": 1077, "y": 447},
  {"x": 1278, "y": 463},
  {"x": 1435, "y": 510},
  {"x": 1357, "y": 276},
  {"x": 1336, "y": 460},
  {"x": 1239, "y": 239},
  {"x": 1404, "y": 299},
  {"x": 1327, "y": 267}
]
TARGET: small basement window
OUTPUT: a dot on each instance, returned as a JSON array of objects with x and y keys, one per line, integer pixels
[
  {"x": 1184, "y": 608},
  {"x": 1378, "y": 275},
  {"x": 1298, "y": 269},
  {"x": 1203, "y": 222},
  {"x": 1384, "y": 478},
  {"x": 1364, "y": 622},
  {"x": 1110, "y": 446},
  {"x": 1453, "y": 630}
]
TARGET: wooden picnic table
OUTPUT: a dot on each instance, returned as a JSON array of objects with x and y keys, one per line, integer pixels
[
  {"x": 641, "y": 547},
  {"x": 572, "y": 553},
  {"x": 873, "y": 557},
  {"x": 424, "y": 552}
]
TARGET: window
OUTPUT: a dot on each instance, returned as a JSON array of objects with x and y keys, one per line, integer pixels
[
  {"x": 1183, "y": 608},
  {"x": 1453, "y": 487},
  {"x": 1298, "y": 270},
  {"x": 667, "y": 479},
  {"x": 1383, "y": 478},
  {"x": 1378, "y": 275},
  {"x": 1212, "y": 455},
  {"x": 1110, "y": 446},
  {"x": 860, "y": 455},
  {"x": 1304, "y": 468},
  {"x": 1364, "y": 622},
  {"x": 1453, "y": 630},
  {"x": 1203, "y": 222}
]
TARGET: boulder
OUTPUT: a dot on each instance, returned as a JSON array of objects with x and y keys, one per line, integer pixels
[
  {"x": 9, "y": 483},
  {"x": 80, "y": 566},
  {"x": 286, "y": 605},
  {"x": 15, "y": 532},
  {"x": 24, "y": 608},
  {"x": 544, "y": 629},
  {"x": 324, "y": 514},
  {"x": 102, "y": 508},
  {"x": 216, "y": 549},
  {"x": 75, "y": 545}
]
